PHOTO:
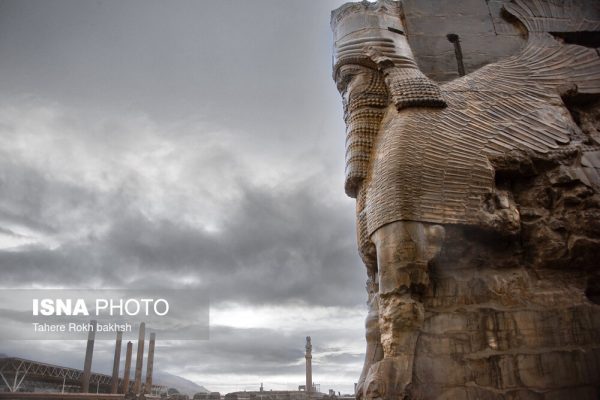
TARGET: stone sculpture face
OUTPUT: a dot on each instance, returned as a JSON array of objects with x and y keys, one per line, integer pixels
[
  {"x": 459, "y": 188},
  {"x": 373, "y": 65}
]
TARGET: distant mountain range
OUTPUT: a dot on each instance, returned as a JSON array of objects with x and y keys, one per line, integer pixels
[{"x": 183, "y": 385}]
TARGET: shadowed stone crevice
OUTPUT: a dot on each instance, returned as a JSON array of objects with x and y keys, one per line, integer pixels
[
  {"x": 582, "y": 38},
  {"x": 455, "y": 40},
  {"x": 592, "y": 289}
]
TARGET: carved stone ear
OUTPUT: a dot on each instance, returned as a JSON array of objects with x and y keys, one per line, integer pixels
[
  {"x": 409, "y": 87},
  {"x": 383, "y": 62}
]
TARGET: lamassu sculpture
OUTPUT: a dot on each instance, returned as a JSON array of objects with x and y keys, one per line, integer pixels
[{"x": 477, "y": 206}]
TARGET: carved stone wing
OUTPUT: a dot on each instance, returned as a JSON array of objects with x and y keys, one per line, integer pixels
[{"x": 516, "y": 104}]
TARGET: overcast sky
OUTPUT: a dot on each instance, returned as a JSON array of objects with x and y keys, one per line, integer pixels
[{"x": 193, "y": 144}]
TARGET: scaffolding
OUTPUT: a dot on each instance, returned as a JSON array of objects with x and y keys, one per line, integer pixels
[{"x": 15, "y": 372}]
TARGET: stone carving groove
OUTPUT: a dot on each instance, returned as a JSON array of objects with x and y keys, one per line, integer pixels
[{"x": 478, "y": 208}]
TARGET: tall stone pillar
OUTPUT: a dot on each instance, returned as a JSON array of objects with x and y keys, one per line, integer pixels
[
  {"x": 140, "y": 359},
  {"x": 87, "y": 364},
  {"x": 116, "y": 363},
  {"x": 150, "y": 363},
  {"x": 127, "y": 367},
  {"x": 308, "y": 357}
]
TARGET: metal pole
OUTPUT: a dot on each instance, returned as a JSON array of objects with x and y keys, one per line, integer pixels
[
  {"x": 14, "y": 386},
  {"x": 89, "y": 352},
  {"x": 116, "y": 363}
]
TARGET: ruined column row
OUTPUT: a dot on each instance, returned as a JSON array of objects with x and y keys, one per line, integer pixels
[{"x": 127, "y": 388}]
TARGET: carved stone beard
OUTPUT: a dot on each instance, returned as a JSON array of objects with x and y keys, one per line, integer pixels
[{"x": 363, "y": 111}]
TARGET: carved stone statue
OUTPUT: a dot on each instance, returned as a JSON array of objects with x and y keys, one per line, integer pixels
[{"x": 477, "y": 206}]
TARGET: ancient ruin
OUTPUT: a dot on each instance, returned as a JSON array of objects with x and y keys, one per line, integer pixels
[
  {"x": 308, "y": 357},
  {"x": 37, "y": 380},
  {"x": 473, "y": 152}
]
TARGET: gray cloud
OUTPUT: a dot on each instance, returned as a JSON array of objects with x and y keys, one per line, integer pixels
[{"x": 274, "y": 246}]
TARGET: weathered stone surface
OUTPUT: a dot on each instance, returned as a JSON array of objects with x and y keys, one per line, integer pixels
[
  {"x": 476, "y": 22},
  {"x": 478, "y": 201}
]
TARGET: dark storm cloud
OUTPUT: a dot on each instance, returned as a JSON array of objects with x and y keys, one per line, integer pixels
[
  {"x": 283, "y": 238},
  {"x": 246, "y": 64},
  {"x": 274, "y": 246},
  {"x": 34, "y": 198}
]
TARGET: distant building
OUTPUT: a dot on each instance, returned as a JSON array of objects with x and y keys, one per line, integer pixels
[{"x": 274, "y": 395}]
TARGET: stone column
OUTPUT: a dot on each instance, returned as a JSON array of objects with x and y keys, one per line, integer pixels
[
  {"x": 308, "y": 357},
  {"x": 116, "y": 363},
  {"x": 150, "y": 362},
  {"x": 87, "y": 364},
  {"x": 140, "y": 359},
  {"x": 404, "y": 252},
  {"x": 127, "y": 367}
]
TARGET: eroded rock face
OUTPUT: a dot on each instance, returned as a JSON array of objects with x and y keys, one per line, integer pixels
[
  {"x": 478, "y": 204},
  {"x": 500, "y": 323}
]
